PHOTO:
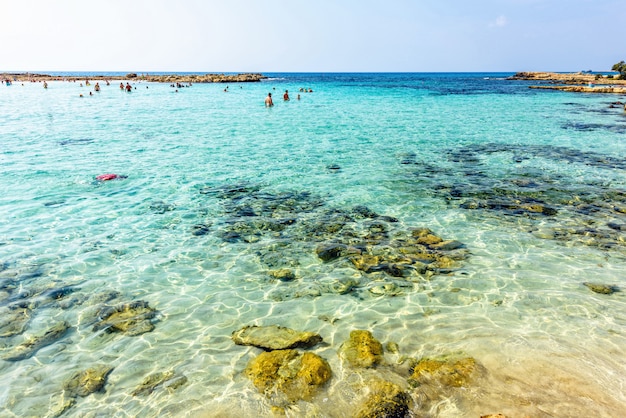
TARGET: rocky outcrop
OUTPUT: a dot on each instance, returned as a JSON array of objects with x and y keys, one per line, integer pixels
[
  {"x": 567, "y": 78},
  {"x": 585, "y": 89},
  {"x": 574, "y": 82},
  {"x": 167, "y": 78}
]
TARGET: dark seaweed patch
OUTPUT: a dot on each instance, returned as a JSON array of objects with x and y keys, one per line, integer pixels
[
  {"x": 79, "y": 141},
  {"x": 588, "y": 127}
]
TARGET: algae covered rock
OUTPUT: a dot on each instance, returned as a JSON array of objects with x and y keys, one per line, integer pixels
[
  {"x": 603, "y": 289},
  {"x": 296, "y": 376},
  {"x": 132, "y": 319},
  {"x": 386, "y": 400},
  {"x": 446, "y": 373},
  {"x": 88, "y": 381},
  {"x": 274, "y": 337},
  {"x": 362, "y": 349},
  {"x": 31, "y": 345}
]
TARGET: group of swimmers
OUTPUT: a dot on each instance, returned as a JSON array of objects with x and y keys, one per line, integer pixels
[
  {"x": 128, "y": 87},
  {"x": 269, "y": 102}
]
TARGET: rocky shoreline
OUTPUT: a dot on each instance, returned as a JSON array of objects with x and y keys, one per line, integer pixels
[
  {"x": 167, "y": 78},
  {"x": 574, "y": 82}
]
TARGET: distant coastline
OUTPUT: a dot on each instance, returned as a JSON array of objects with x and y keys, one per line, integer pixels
[
  {"x": 162, "y": 78},
  {"x": 574, "y": 82}
]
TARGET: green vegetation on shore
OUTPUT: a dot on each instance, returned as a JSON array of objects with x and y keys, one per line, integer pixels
[{"x": 621, "y": 68}]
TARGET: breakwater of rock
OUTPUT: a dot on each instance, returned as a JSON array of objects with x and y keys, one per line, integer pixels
[
  {"x": 162, "y": 78},
  {"x": 574, "y": 82}
]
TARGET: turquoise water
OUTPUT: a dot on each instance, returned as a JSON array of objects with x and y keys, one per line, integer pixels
[{"x": 220, "y": 191}]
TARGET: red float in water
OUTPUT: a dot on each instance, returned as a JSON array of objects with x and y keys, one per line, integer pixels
[{"x": 106, "y": 177}]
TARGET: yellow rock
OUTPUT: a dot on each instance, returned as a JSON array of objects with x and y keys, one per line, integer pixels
[
  {"x": 386, "y": 399},
  {"x": 447, "y": 373},
  {"x": 295, "y": 375},
  {"x": 429, "y": 239},
  {"x": 362, "y": 349}
]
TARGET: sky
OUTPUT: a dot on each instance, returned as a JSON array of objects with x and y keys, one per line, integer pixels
[{"x": 312, "y": 35}]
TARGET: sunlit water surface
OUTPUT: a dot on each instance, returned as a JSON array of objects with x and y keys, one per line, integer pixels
[{"x": 222, "y": 191}]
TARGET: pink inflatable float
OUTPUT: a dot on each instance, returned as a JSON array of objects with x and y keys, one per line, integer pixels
[{"x": 109, "y": 176}]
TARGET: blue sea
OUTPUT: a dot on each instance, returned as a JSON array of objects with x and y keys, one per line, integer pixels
[{"x": 226, "y": 214}]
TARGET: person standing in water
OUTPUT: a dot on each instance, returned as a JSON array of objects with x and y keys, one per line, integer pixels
[
  {"x": 268, "y": 100},
  {"x": 286, "y": 95}
]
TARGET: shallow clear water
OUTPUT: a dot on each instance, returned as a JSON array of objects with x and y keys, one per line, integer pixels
[{"x": 220, "y": 191}]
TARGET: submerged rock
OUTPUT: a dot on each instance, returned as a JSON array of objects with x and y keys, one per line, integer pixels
[
  {"x": 341, "y": 286},
  {"x": 34, "y": 344},
  {"x": 284, "y": 275},
  {"x": 446, "y": 373},
  {"x": 152, "y": 381},
  {"x": 274, "y": 337},
  {"x": 88, "y": 381},
  {"x": 364, "y": 212},
  {"x": 385, "y": 289},
  {"x": 13, "y": 321},
  {"x": 331, "y": 251},
  {"x": 200, "y": 229},
  {"x": 132, "y": 319},
  {"x": 161, "y": 207},
  {"x": 362, "y": 349},
  {"x": 175, "y": 382},
  {"x": 386, "y": 400},
  {"x": 604, "y": 289},
  {"x": 295, "y": 375}
]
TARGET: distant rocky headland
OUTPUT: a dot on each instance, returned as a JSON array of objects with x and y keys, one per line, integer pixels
[
  {"x": 576, "y": 82},
  {"x": 168, "y": 78}
]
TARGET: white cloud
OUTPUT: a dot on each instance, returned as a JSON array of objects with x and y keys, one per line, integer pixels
[{"x": 500, "y": 22}]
